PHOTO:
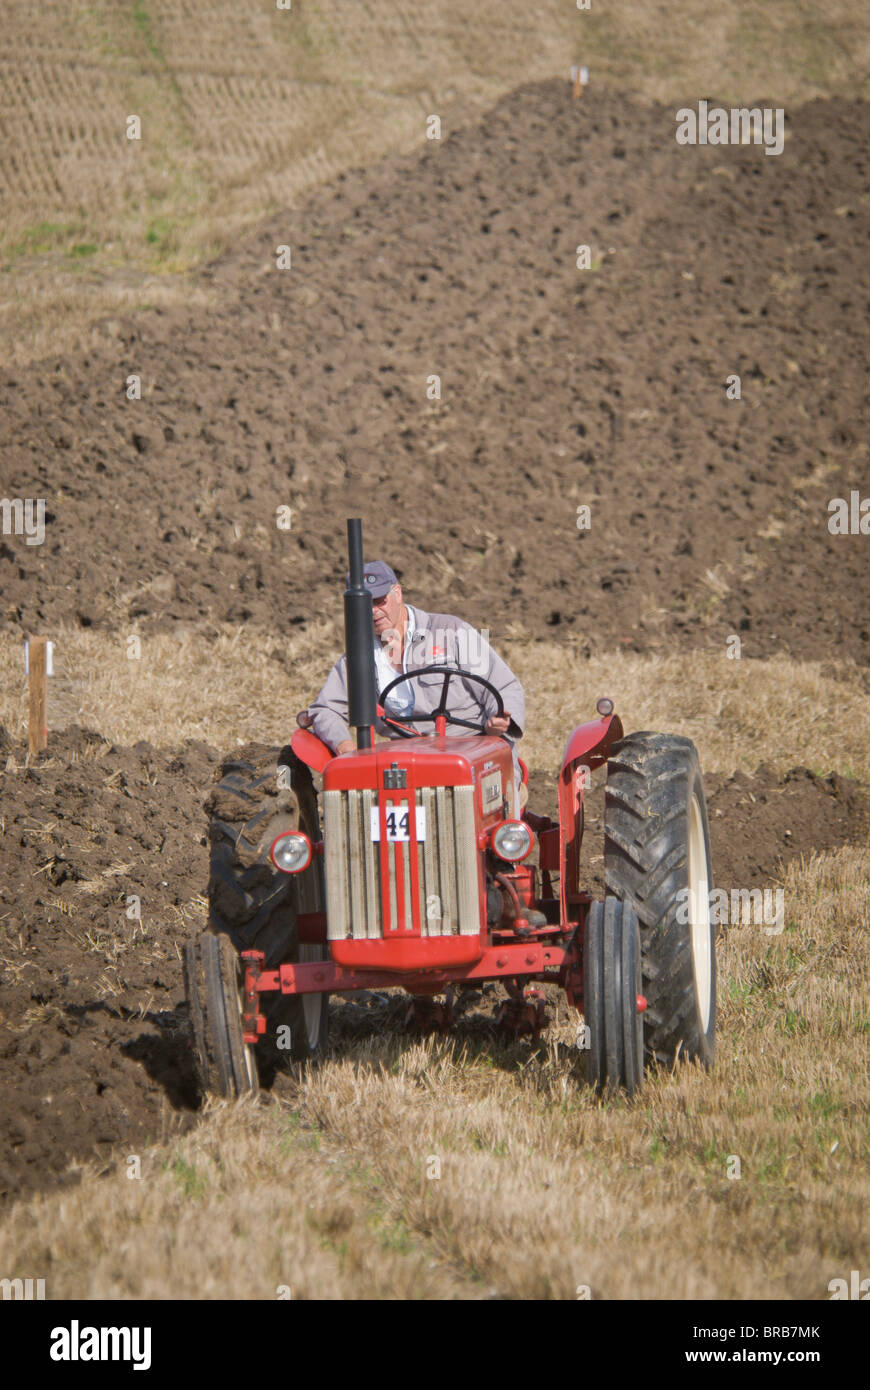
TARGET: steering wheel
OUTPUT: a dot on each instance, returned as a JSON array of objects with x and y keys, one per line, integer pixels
[{"x": 447, "y": 672}]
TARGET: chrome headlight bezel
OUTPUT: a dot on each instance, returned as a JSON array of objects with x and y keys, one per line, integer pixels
[
  {"x": 523, "y": 840},
  {"x": 291, "y": 852}
]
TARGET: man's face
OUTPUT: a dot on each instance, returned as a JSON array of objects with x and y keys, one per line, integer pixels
[{"x": 387, "y": 611}]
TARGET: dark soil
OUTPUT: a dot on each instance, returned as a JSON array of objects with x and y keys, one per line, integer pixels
[
  {"x": 92, "y": 1046},
  {"x": 307, "y": 387}
]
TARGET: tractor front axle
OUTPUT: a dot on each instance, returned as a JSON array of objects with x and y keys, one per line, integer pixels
[{"x": 514, "y": 960}]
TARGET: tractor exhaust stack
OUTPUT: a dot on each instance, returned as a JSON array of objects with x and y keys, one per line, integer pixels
[{"x": 359, "y": 642}]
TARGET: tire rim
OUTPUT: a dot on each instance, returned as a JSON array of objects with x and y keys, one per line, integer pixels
[
  {"x": 699, "y": 903},
  {"x": 250, "y": 1059},
  {"x": 312, "y": 1004}
]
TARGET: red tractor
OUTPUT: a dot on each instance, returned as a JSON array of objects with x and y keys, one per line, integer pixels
[{"x": 399, "y": 865}]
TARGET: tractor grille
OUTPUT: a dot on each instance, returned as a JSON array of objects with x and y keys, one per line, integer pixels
[{"x": 446, "y": 860}]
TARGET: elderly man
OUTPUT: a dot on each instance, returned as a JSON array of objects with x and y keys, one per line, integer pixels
[{"x": 407, "y": 638}]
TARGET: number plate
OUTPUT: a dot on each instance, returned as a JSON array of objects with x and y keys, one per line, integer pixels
[
  {"x": 399, "y": 822},
  {"x": 490, "y": 792}
]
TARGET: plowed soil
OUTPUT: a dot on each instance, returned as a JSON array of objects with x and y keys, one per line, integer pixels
[{"x": 307, "y": 388}]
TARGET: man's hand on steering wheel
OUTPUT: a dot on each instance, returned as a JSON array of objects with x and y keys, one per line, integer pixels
[{"x": 498, "y": 724}]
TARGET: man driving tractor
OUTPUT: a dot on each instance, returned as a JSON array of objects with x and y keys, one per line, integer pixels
[
  {"x": 403, "y": 865},
  {"x": 406, "y": 639}
]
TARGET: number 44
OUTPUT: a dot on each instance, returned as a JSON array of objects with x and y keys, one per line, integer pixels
[{"x": 398, "y": 824}]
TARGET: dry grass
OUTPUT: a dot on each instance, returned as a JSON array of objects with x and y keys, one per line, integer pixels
[
  {"x": 243, "y": 108},
  {"x": 541, "y": 1188},
  {"x": 735, "y": 52},
  {"x": 227, "y": 686}
]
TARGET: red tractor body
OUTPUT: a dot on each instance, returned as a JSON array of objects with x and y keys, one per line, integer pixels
[{"x": 408, "y": 870}]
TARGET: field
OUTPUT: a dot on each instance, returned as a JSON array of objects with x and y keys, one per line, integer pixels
[
  {"x": 707, "y": 596},
  {"x": 243, "y": 112}
]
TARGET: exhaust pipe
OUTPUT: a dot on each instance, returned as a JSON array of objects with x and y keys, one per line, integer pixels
[{"x": 359, "y": 642}]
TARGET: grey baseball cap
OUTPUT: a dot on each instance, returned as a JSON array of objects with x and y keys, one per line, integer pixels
[{"x": 377, "y": 577}]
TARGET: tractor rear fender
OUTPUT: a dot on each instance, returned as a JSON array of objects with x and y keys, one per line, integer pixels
[
  {"x": 588, "y": 747},
  {"x": 310, "y": 749},
  {"x": 590, "y": 744}
]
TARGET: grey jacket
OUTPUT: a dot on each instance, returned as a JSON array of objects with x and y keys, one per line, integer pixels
[{"x": 438, "y": 639}]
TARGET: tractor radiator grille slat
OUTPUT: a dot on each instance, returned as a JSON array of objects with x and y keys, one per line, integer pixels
[
  {"x": 446, "y": 864},
  {"x": 353, "y": 887}
]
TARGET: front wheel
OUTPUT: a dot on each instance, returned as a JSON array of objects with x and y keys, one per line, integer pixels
[
  {"x": 611, "y": 997},
  {"x": 214, "y": 983},
  {"x": 657, "y": 859},
  {"x": 307, "y": 1015}
]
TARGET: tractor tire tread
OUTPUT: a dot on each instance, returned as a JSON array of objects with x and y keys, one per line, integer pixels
[{"x": 645, "y": 856}]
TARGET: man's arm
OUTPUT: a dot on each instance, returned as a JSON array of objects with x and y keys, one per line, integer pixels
[
  {"x": 499, "y": 674},
  {"x": 329, "y": 710},
  {"x": 503, "y": 678}
]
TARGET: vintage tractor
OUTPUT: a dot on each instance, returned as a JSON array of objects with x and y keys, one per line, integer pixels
[{"x": 399, "y": 864}]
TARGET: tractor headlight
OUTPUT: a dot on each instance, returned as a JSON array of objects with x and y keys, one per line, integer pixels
[
  {"x": 513, "y": 840},
  {"x": 291, "y": 852}
]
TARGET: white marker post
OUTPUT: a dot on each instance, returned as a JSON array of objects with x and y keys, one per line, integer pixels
[{"x": 580, "y": 77}]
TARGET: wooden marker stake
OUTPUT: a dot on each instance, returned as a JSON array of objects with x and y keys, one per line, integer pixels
[
  {"x": 37, "y": 728},
  {"x": 579, "y": 76}
]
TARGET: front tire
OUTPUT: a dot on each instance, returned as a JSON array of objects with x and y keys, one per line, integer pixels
[
  {"x": 611, "y": 985},
  {"x": 657, "y": 859},
  {"x": 214, "y": 984}
]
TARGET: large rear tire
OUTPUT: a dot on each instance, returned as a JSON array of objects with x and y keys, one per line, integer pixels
[
  {"x": 657, "y": 859},
  {"x": 261, "y": 792}
]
